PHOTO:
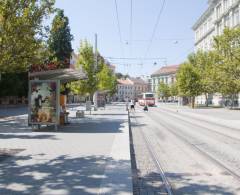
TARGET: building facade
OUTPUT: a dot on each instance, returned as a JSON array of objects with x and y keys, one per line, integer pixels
[
  {"x": 219, "y": 15},
  {"x": 130, "y": 88},
  {"x": 166, "y": 74}
]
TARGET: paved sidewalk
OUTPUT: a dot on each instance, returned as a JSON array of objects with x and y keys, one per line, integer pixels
[
  {"x": 221, "y": 116},
  {"x": 89, "y": 156}
]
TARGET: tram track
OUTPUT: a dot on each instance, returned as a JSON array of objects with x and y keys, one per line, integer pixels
[
  {"x": 153, "y": 155},
  {"x": 201, "y": 120},
  {"x": 170, "y": 129},
  {"x": 181, "y": 118}
]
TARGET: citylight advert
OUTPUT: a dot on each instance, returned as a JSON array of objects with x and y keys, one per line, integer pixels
[{"x": 43, "y": 102}]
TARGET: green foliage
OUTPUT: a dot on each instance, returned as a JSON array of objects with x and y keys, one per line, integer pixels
[
  {"x": 173, "y": 89},
  {"x": 21, "y": 33},
  {"x": 205, "y": 64},
  {"x": 18, "y": 83},
  {"x": 60, "y": 37},
  {"x": 86, "y": 62},
  {"x": 227, "y": 48},
  {"x": 120, "y": 76},
  {"x": 100, "y": 78},
  {"x": 107, "y": 80},
  {"x": 188, "y": 80},
  {"x": 163, "y": 90}
]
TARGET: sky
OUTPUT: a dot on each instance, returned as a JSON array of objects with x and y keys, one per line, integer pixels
[{"x": 172, "y": 40}]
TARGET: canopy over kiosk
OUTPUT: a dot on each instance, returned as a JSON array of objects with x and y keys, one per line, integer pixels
[
  {"x": 63, "y": 75},
  {"x": 44, "y": 95}
]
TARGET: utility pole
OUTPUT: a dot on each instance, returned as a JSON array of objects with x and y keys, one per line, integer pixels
[
  {"x": 96, "y": 55},
  {"x": 95, "y": 67}
]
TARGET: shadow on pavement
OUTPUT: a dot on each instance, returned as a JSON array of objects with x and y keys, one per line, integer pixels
[
  {"x": 150, "y": 183},
  {"x": 14, "y": 111},
  {"x": 62, "y": 175},
  {"x": 26, "y": 136},
  {"x": 14, "y": 126},
  {"x": 94, "y": 126}
]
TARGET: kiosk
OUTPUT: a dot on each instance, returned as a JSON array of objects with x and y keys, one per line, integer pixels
[{"x": 46, "y": 105}]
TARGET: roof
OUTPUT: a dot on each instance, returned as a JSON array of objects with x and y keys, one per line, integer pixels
[
  {"x": 205, "y": 14},
  {"x": 64, "y": 75},
  {"x": 132, "y": 81},
  {"x": 138, "y": 81},
  {"x": 124, "y": 82},
  {"x": 166, "y": 70}
]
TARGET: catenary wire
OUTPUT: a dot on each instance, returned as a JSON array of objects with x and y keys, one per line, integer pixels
[{"x": 155, "y": 28}]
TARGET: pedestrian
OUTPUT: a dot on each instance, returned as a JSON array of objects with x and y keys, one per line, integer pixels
[
  {"x": 132, "y": 105},
  {"x": 145, "y": 108},
  {"x": 127, "y": 105}
]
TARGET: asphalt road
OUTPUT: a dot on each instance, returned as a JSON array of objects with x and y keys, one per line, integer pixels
[{"x": 197, "y": 157}]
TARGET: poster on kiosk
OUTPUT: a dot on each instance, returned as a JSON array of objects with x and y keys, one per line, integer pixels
[{"x": 44, "y": 102}]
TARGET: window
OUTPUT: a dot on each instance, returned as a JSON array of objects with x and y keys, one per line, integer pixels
[
  {"x": 225, "y": 4},
  {"x": 166, "y": 80},
  {"x": 209, "y": 23},
  {"x": 236, "y": 17},
  {"x": 205, "y": 28},
  {"x": 227, "y": 21},
  {"x": 219, "y": 7}
]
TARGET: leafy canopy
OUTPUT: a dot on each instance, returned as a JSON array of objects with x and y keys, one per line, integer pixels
[
  {"x": 163, "y": 90},
  {"x": 60, "y": 37},
  {"x": 21, "y": 33},
  {"x": 227, "y": 48}
]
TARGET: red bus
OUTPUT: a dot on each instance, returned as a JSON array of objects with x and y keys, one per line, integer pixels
[{"x": 146, "y": 99}]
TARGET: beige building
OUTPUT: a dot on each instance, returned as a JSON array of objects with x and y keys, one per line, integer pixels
[
  {"x": 130, "y": 88},
  {"x": 166, "y": 74},
  {"x": 219, "y": 14}
]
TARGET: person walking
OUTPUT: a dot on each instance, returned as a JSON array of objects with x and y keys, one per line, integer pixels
[
  {"x": 145, "y": 108},
  {"x": 127, "y": 104},
  {"x": 132, "y": 105}
]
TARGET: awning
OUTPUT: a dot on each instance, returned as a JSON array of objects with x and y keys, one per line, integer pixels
[{"x": 64, "y": 75}]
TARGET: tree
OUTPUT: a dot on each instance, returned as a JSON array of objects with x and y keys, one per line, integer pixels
[
  {"x": 121, "y": 76},
  {"x": 227, "y": 47},
  {"x": 189, "y": 81},
  {"x": 163, "y": 90},
  {"x": 86, "y": 61},
  {"x": 173, "y": 90},
  {"x": 60, "y": 37},
  {"x": 107, "y": 80},
  {"x": 21, "y": 33},
  {"x": 205, "y": 64}
]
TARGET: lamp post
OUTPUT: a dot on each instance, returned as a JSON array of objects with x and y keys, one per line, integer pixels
[{"x": 95, "y": 96}]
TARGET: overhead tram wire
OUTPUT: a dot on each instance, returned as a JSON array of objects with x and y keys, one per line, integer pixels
[
  {"x": 139, "y": 58},
  {"x": 131, "y": 26},
  {"x": 155, "y": 28},
  {"x": 119, "y": 29}
]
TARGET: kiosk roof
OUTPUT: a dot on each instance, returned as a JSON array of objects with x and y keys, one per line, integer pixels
[{"x": 64, "y": 75}]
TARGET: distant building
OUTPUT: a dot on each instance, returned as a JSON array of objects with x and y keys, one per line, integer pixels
[
  {"x": 130, "y": 88},
  {"x": 166, "y": 74}
]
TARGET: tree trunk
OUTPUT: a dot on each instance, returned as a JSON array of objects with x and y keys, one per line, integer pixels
[
  {"x": 232, "y": 103},
  {"x": 206, "y": 97},
  {"x": 193, "y": 102}
]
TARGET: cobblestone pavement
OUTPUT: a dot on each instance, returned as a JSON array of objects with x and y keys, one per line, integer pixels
[{"x": 146, "y": 177}]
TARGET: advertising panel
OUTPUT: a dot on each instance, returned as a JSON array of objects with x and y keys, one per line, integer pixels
[{"x": 44, "y": 102}]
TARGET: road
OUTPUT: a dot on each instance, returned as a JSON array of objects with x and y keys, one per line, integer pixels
[{"x": 197, "y": 156}]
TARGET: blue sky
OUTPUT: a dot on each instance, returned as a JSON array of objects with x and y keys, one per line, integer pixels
[{"x": 173, "y": 40}]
